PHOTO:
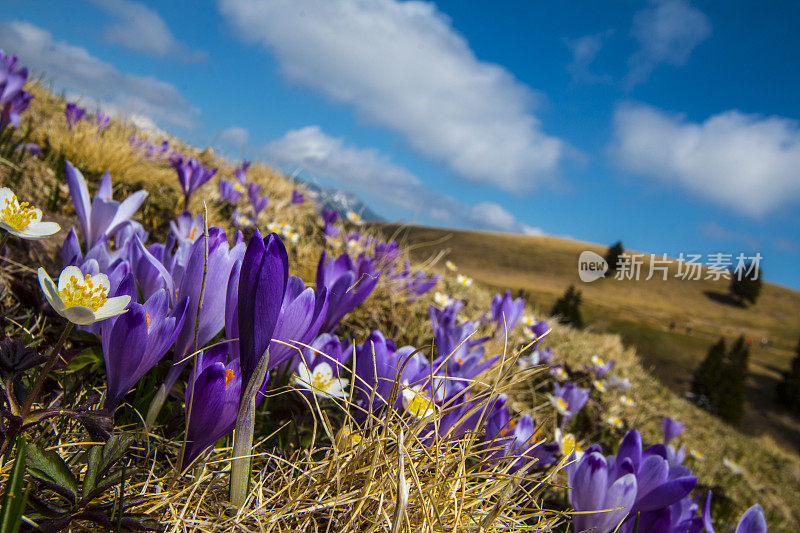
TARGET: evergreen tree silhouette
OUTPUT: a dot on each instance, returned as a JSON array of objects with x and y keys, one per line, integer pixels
[
  {"x": 612, "y": 256},
  {"x": 789, "y": 389},
  {"x": 746, "y": 284},
  {"x": 705, "y": 385},
  {"x": 567, "y": 308}
]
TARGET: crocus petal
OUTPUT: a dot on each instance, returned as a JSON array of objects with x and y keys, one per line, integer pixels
[
  {"x": 753, "y": 521},
  {"x": 80, "y": 198}
]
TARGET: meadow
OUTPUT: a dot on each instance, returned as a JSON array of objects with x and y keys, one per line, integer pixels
[{"x": 197, "y": 346}]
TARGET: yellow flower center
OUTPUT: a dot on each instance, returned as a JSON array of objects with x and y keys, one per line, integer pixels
[
  {"x": 419, "y": 405},
  {"x": 321, "y": 380},
  {"x": 568, "y": 444},
  {"x": 229, "y": 375},
  {"x": 191, "y": 233},
  {"x": 561, "y": 403},
  {"x": 17, "y": 215},
  {"x": 147, "y": 317},
  {"x": 84, "y": 294},
  {"x": 238, "y": 187}
]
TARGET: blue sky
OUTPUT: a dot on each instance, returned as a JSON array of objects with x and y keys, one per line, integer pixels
[{"x": 668, "y": 124}]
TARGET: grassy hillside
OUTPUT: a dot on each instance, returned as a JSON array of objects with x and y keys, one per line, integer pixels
[{"x": 671, "y": 323}]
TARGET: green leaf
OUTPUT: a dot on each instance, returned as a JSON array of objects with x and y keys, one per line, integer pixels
[
  {"x": 90, "y": 357},
  {"x": 95, "y": 456},
  {"x": 14, "y": 498},
  {"x": 50, "y": 467},
  {"x": 100, "y": 461}
]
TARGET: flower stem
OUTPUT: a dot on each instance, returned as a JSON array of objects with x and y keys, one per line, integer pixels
[
  {"x": 3, "y": 240},
  {"x": 37, "y": 385},
  {"x": 243, "y": 435}
]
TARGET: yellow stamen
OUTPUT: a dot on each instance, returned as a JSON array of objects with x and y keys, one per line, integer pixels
[
  {"x": 17, "y": 215},
  {"x": 419, "y": 405},
  {"x": 561, "y": 403},
  {"x": 568, "y": 443},
  {"x": 83, "y": 294},
  {"x": 321, "y": 380},
  {"x": 191, "y": 233},
  {"x": 147, "y": 317},
  {"x": 238, "y": 187},
  {"x": 228, "y": 377}
]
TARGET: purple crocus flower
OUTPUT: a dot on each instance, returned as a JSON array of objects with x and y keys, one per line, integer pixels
[
  {"x": 301, "y": 315},
  {"x": 31, "y": 148},
  {"x": 135, "y": 341},
  {"x": 568, "y": 400},
  {"x": 386, "y": 253},
  {"x": 258, "y": 202},
  {"x": 240, "y": 173},
  {"x": 539, "y": 329},
  {"x": 73, "y": 113},
  {"x": 594, "y": 486},
  {"x": 297, "y": 197},
  {"x": 660, "y": 485},
  {"x": 513, "y": 440},
  {"x": 13, "y": 100},
  {"x": 671, "y": 429},
  {"x": 599, "y": 366},
  {"x": 377, "y": 364},
  {"x": 329, "y": 218},
  {"x": 230, "y": 191},
  {"x": 191, "y": 175},
  {"x": 102, "y": 120},
  {"x": 187, "y": 228},
  {"x": 213, "y": 395},
  {"x": 506, "y": 311},
  {"x": 348, "y": 284},
  {"x": 262, "y": 286},
  {"x": 103, "y": 216},
  {"x": 221, "y": 259},
  {"x": 413, "y": 284}
]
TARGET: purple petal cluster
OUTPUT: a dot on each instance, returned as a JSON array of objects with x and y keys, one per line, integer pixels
[
  {"x": 191, "y": 175},
  {"x": 13, "y": 99},
  {"x": 506, "y": 311},
  {"x": 73, "y": 113},
  {"x": 347, "y": 282}
]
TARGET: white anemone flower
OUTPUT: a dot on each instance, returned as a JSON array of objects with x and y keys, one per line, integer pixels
[
  {"x": 461, "y": 279},
  {"x": 450, "y": 266},
  {"x": 599, "y": 385},
  {"x": 321, "y": 380},
  {"x": 627, "y": 401},
  {"x": 567, "y": 443},
  {"x": 355, "y": 218},
  {"x": 560, "y": 404},
  {"x": 442, "y": 300},
  {"x": 23, "y": 220},
  {"x": 614, "y": 421},
  {"x": 417, "y": 403},
  {"x": 82, "y": 300},
  {"x": 734, "y": 467}
]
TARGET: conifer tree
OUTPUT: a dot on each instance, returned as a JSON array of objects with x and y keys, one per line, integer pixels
[
  {"x": 612, "y": 256},
  {"x": 705, "y": 385},
  {"x": 789, "y": 389},
  {"x": 746, "y": 284},
  {"x": 733, "y": 381},
  {"x": 567, "y": 308}
]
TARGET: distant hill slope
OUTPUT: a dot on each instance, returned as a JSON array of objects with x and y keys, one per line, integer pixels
[{"x": 671, "y": 323}]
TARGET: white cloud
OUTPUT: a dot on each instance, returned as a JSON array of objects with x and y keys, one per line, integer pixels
[
  {"x": 403, "y": 66},
  {"x": 142, "y": 29},
  {"x": 667, "y": 31},
  {"x": 584, "y": 51},
  {"x": 370, "y": 171},
  {"x": 74, "y": 69},
  {"x": 745, "y": 161},
  {"x": 232, "y": 141}
]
